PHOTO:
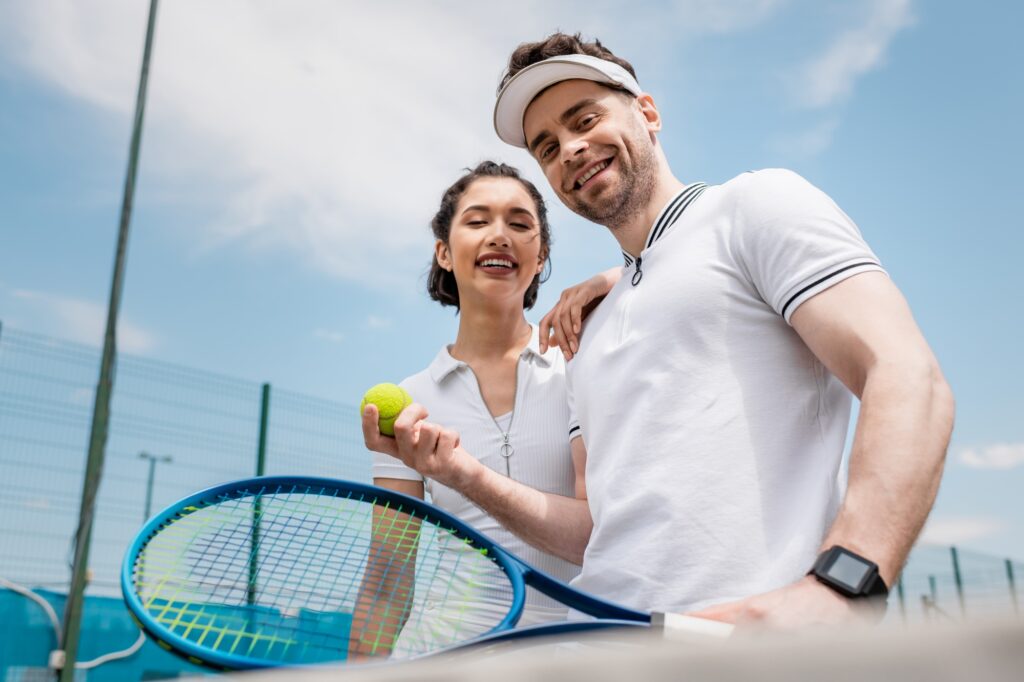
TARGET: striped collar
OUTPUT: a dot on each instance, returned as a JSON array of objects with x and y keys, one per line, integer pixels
[{"x": 669, "y": 215}]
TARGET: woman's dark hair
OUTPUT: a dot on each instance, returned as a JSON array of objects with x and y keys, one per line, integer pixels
[{"x": 440, "y": 282}]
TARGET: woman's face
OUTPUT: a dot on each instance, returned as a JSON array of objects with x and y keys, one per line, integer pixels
[{"x": 494, "y": 245}]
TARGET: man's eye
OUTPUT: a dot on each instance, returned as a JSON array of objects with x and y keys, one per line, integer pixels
[
  {"x": 547, "y": 151},
  {"x": 588, "y": 120}
]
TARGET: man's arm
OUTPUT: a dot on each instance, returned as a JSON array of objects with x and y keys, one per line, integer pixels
[
  {"x": 862, "y": 330},
  {"x": 556, "y": 524}
]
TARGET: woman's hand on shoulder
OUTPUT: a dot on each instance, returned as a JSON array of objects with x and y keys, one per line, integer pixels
[{"x": 562, "y": 324}]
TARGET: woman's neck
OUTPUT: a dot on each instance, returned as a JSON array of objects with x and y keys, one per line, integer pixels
[{"x": 489, "y": 333}]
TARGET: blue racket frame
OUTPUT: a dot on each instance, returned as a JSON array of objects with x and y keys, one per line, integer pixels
[{"x": 520, "y": 573}]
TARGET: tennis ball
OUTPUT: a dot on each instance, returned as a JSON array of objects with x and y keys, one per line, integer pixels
[{"x": 390, "y": 400}]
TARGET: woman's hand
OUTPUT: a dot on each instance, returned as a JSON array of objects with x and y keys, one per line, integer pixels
[
  {"x": 562, "y": 324},
  {"x": 430, "y": 449}
]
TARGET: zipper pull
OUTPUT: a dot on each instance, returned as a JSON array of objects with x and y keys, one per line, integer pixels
[
  {"x": 638, "y": 275},
  {"x": 506, "y": 447}
]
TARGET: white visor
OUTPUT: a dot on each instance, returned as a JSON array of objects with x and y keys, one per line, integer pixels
[{"x": 515, "y": 97}]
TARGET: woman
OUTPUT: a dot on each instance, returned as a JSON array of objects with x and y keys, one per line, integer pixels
[{"x": 493, "y": 387}]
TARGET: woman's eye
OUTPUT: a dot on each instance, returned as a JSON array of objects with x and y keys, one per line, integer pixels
[
  {"x": 522, "y": 226},
  {"x": 477, "y": 222}
]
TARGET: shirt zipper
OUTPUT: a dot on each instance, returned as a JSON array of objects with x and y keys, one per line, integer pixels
[
  {"x": 638, "y": 274},
  {"x": 506, "y": 450}
]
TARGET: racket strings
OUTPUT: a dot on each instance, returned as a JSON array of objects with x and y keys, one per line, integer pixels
[{"x": 293, "y": 574}]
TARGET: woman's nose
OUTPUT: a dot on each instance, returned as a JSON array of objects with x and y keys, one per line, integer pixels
[{"x": 499, "y": 234}]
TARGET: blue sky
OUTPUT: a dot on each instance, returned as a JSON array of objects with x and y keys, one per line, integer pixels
[{"x": 294, "y": 153}]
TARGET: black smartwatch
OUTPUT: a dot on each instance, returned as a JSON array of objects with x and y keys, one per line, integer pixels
[{"x": 849, "y": 574}]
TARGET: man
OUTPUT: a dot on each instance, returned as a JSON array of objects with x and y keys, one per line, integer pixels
[{"x": 712, "y": 385}]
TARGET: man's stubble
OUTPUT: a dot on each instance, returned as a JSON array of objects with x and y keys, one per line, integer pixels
[{"x": 637, "y": 183}]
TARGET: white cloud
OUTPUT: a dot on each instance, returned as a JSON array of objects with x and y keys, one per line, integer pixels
[
  {"x": 715, "y": 16},
  {"x": 958, "y": 530},
  {"x": 324, "y": 128},
  {"x": 82, "y": 321},
  {"x": 374, "y": 322},
  {"x": 328, "y": 129},
  {"x": 329, "y": 335},
  {"x": 808, "y": 143},
  {"x": 831, "y": 76},
  {"x": 1000, "y": 456}
]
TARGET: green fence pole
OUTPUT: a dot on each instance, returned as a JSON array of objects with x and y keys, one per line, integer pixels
[
  {"x": 902, "y": 599},
  {"x": 104, "y": 388},
  {"x": 1013, "y": 586},
  {"x": 934, "y": 592},
  {"x": 261, "y": 448},
  {"x": 257, "y": 510},
  {"x": 959, "y": 581}
]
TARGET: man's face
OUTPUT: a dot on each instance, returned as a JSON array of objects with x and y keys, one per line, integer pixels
[{"x": 595, "y": 148}]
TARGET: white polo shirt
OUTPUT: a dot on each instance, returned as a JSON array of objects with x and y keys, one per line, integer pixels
[
  {"x": 537, "y": 433},
  {"x": 713, "y": 434}
]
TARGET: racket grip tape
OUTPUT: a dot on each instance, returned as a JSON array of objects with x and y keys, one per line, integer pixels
[{"x": 676, "y": 626}]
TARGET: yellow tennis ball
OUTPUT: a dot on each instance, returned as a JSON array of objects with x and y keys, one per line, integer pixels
[{"x": 390, "y": 400}]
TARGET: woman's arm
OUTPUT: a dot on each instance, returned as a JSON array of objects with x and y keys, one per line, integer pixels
[
  {"x": 556, "y": 524},
  {"x": 386, "y": 592}
]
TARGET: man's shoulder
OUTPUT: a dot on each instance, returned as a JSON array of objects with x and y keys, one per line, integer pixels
[
  {"x": 767, "y": 183},
  {"x": 761, "y": 197}
]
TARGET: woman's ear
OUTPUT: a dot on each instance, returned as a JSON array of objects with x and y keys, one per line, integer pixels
[
  {"x": 542, "y": 259},
  {"x": 444, "y": 258}
]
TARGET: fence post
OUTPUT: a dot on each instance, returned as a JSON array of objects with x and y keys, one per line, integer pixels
[
  {"x": 931, "y": 601},
  {"x": 1013, "y": 586},
  {"x": 257, "y": 509},
  {"x": 261, "y": 447},
  {"x": 959, "y": 581},
  {"x": 902, "y": 599},
  {"x": 71, "y": 628}
]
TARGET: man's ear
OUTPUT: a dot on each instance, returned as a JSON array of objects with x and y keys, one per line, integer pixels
[
  {"x": 649, "y": 110},
  {"x": 444, "y": 258}
]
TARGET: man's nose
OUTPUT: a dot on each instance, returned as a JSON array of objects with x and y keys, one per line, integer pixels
[{"x": 573, "y": 148}]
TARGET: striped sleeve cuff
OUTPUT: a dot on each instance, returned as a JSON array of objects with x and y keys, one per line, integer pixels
[{"x": 808, "y": 289}]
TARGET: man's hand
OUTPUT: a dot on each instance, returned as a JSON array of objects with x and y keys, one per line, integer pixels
[
  {"x": 804, "y": 603},
  {"x": 430, "y": 449},
  {"x": 562, "y": 324}
]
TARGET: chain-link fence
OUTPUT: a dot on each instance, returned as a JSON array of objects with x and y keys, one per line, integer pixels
[
  {"x": 173, "y": 430},
  {"x": 209, "y": 427}
]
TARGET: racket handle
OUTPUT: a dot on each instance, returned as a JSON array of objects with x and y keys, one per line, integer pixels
[{"x": 689, "y": 628}]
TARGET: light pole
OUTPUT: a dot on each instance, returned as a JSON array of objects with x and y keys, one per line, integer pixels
[{"x": 153, "y": 459}]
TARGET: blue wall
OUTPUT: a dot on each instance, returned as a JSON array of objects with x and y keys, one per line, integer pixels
[{"x": 26, "y": 639}]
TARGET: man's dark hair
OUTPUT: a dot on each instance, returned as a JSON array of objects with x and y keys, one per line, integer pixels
[
  {"x": 440, "y": 282},
  {"x": 558, "y": 45}
]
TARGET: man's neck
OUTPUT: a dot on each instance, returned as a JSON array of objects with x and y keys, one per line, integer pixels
[{"x": 632, "y": 235}]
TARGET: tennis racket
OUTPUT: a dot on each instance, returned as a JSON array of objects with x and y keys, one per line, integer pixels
[{"x": 291, "y": 570}]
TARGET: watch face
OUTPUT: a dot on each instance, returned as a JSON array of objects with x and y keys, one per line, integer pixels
[{"x": 848, "y": 570}]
